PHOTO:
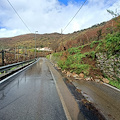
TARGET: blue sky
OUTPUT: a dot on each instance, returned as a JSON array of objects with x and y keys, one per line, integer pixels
[
  {"x": 48, "y": 16},
  {"x": 65, "y": 2}
]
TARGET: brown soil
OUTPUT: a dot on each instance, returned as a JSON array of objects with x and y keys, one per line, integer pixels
[
  {"x": 88, "y": 49},
  {"x": 94, "y": 71}
]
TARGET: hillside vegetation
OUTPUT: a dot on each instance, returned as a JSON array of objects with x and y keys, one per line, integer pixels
[{"x": 81, "y": 57}]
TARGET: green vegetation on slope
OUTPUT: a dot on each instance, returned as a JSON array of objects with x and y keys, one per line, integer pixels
[
  {"x": 74, "y": 61},
  {"x": 111, "y": 44}
]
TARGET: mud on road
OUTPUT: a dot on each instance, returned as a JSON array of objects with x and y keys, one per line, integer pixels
[{"x": 86, "y": 107}]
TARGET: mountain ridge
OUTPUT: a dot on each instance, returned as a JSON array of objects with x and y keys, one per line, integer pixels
[{"x": 57, "y": 41}]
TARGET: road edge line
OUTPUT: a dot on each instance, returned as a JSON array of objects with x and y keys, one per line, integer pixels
[
  {"x": 61, "y": 98},
  {"x": 111, "y": 87}
]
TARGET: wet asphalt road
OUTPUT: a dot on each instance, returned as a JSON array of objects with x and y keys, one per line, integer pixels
[
  {"x": 105, "y": 98},
  {"x": 31, "y": 95}
]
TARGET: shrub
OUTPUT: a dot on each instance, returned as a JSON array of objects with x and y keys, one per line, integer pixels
[
  {"x": 111, "y": 44},
  {"x": 92, "y": 54},
  {"x": 48, "y": 56},
  {"x": 58, "y": 54},
  {"x": 78, "y": 68},
  {"x": 73, "y": 50},
  {"x": 93, "y": 43}
]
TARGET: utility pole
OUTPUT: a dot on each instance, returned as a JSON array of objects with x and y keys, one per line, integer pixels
[
  {"x": 15, "y": 52},
  {"x": 35, "y": 43},
  {"x": 3, "y": 63},
  {"x": 62, "y": 38},
  {"x": 18, "y": 53}
]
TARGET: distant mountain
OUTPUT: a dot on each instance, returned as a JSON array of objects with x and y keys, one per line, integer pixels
[
  {"x": 28, "y": 40},
  {"x": 59, "y": 42}
]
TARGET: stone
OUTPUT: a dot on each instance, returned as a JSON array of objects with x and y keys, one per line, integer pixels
[
  {"x": 100, "y": 77},
  {"x": 69, "y": 74},
  {"x": 58, "y": 68},
  {"x": 92, "y": 78},
  {"x": 81, "y": 79},
  {"x": 71, "y": 81},
  {"x": 74, "y": 75},
  {"x": 81, "y": 75},
  {"x": 56, "y": 65},
  {"x": 78, "y": 78},
  {"x": 105, "y": 80},
  {"x": 97, "y": 80},
  {"x": 88, "y": 79},
  {"x": 101, "y": 82},
  {"x": 78, "y": 90},
  {"x": 64, "y": 71}
]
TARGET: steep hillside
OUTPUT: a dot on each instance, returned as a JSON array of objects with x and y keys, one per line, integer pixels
[
  {"x": 94, "y": 53},
  {"x": 93, "y": 33},
  {"x": 94, "y": 61}
]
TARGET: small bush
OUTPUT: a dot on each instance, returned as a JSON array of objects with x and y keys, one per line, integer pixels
[
  {"x": 93, "y": 43},
  {"x": 58, "y": 54},
  {"x": 61, "y": 64},
  {"x": 92, "y": 54},
  {"x": 73, "y": 50},
  {"x": 78, "y": 68},
  {"x": 110, "y": 45},
  {"x": 48, "y": 56}
]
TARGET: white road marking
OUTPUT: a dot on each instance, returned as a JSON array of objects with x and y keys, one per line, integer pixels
[
  {"x": 111, "y": 87},
  {"x": 61, "y": 98}
]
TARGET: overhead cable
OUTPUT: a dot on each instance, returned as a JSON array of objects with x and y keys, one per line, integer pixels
[
  {"x": 19, "y": 16},
  {"x": 74, "y": 15}
]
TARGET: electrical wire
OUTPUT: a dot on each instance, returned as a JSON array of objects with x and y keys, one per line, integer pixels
[
  {"x": 19, "y": 16},
  {"x": 74, "y": 16}
]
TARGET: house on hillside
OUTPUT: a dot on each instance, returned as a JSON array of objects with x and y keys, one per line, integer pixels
[{"x": 44, "y": 49}]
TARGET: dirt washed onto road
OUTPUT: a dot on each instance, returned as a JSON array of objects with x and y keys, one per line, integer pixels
[{"x": 86, "y": 107}]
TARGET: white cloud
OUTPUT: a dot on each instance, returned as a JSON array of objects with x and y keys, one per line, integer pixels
[{"x": 50, "y": 16}]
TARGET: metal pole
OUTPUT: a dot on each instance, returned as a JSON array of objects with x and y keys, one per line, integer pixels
[
  {"x": 35, "y": 43},
  {"x": 15, "y": 52},
  {"x": 3, "y": 58},
  {"x": 18, "y": 53},
  {"x": 62, "y": 38}
]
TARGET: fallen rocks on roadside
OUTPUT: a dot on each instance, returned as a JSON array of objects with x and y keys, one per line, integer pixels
[
  {"x": 77, "y": 78},
  {"x": 69, "y": 74},
  {"x": 81, "y": 75},
  {"x": 97, "y": 80},
  {"x": 64, "y": 71},
  {"x": 78, "y": 90},
  {"x": 105, "y": 80},
  {"x": 75, "y": 75},
  {"x": 70, "y": 80},
  {"x": 56, "y": 65},
  {"x": 88, "y": 79}
]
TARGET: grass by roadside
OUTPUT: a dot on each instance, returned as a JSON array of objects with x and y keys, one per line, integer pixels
[{"x": 115, "y": 83}]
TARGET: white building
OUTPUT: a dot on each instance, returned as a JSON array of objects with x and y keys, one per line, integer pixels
[{"x": 44, "y": 49}]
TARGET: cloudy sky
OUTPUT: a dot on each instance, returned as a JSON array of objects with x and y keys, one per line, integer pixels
[{"x": 48, "y": 16}]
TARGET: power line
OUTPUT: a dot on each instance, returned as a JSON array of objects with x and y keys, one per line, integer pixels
[
  {"x": 75, "y": 15},
  {"x": 19, "y": 16}
]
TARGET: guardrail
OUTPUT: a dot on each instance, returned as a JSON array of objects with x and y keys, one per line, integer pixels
[{"x": 8, "y": 67}]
